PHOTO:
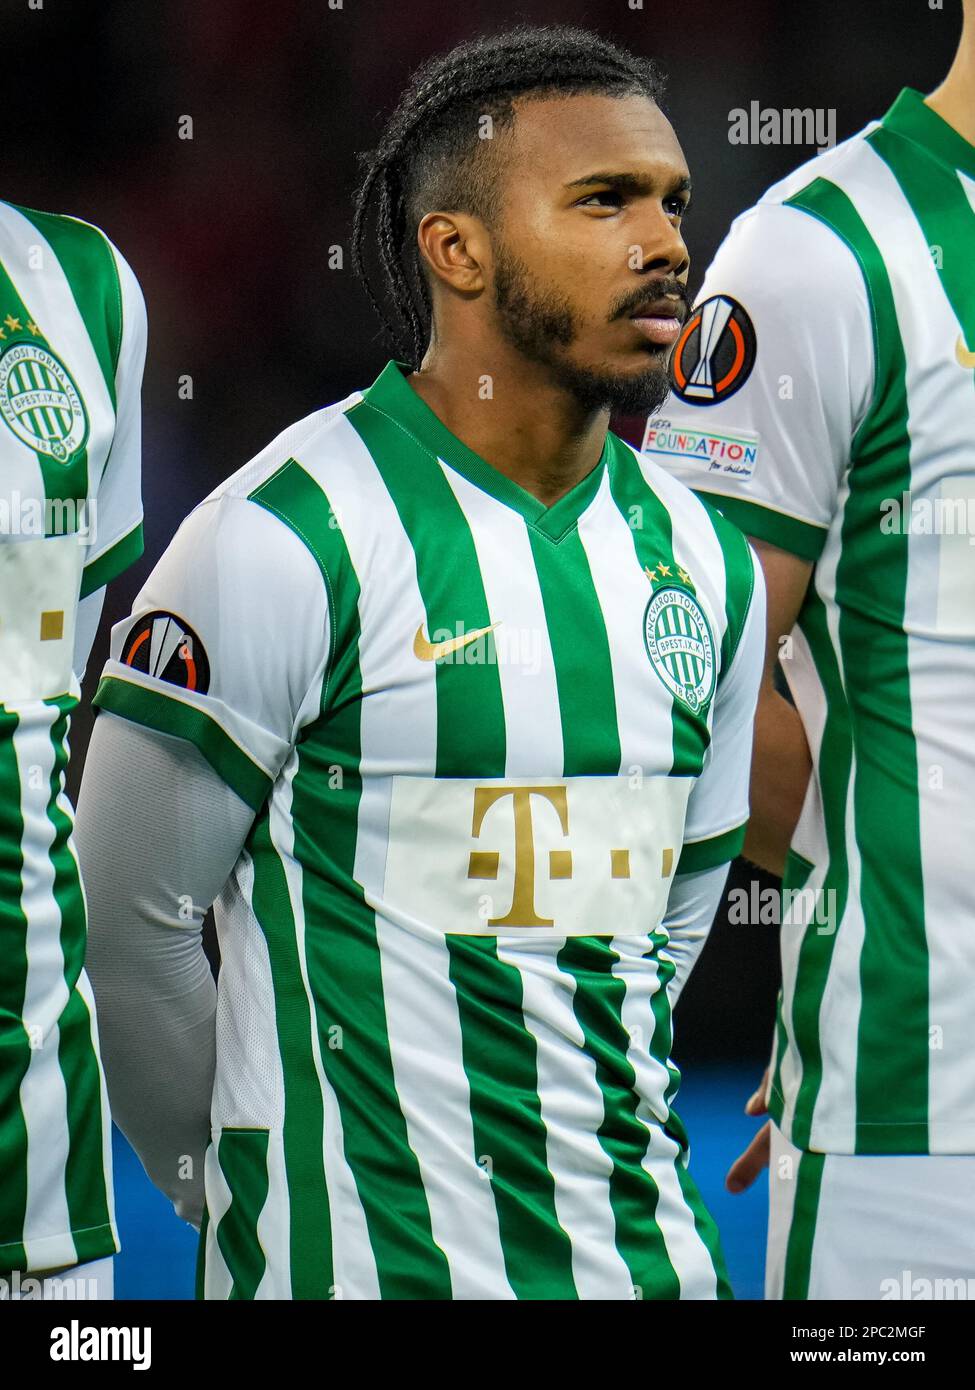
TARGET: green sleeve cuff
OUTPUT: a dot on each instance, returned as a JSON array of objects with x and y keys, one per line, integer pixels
[
  {"x": 708, "y": 854},
  {"x": 113, "y": 562},
  {"x": 787, "y": 532},
  {"x": 173, "y": 716}
]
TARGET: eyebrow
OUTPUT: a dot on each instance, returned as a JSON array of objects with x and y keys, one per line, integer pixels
[{"x": 629, "y": 183}]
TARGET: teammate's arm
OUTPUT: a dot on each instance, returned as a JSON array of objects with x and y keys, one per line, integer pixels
[
  {"x": 780, "y": 755},
  {"x": 158, "y": 834},
  {"x": 717, "y": 808},
  {"x": 207, "y": 687}
]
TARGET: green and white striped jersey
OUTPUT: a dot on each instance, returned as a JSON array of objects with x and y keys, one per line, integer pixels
[
  {"x": 480, "y": 736},
  {"x": 72, "y": 347},
  {"x": 852, "y": 444}
]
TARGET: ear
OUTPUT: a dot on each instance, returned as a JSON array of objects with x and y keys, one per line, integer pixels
[{"x": 455, "y": 246}]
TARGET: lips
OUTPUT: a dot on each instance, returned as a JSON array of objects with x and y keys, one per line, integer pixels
[{"x": 659, "y": 321}]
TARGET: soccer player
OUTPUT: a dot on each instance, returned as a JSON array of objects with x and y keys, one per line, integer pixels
[
  {"x": 824, "y": 401},
  {"x": 72, "y": 348},
  {"x": 449, "y": 699}
]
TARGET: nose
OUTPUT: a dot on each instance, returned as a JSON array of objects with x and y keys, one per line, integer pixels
[{"x": 663, "y": 249}]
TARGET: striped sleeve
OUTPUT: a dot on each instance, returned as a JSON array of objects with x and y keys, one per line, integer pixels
[
  {"x": 117, "y": 538},
  {"x": 717, "y": 810},
  {"x": 770, "y": 454},
  {"x": 227, "y": 643}
]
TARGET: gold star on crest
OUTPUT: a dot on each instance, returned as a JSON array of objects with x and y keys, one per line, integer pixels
[
  {"x": 33, "y": 327},
  {"x": 12, "y": 323},
  {"x": 651, "y": 574},
  {"x": 664, "y": 569},
  {"x": 683, "y": 576}
]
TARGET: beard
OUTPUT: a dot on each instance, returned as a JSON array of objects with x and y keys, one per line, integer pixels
[{"x": 541, "y": 323}]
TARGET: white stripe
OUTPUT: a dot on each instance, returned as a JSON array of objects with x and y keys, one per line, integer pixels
[
  {"x": 353, "y": 1262},
  {"x": 643, "y": 704},
  {"x": 421, "y": 1010},
  {"x": 685, "y": 1249},
  {"x": 217, "y": 1279},
  {"x": 572, "y": 1110},
  {"x": 808, "y": 840},
  {"x": 526, "y": 666},
  {"x": 50, "y": 302},
  {"x": 43, "y": 1095},
  {"x": 940, "y": 654},
  {"x": 834, "y": 1113}
]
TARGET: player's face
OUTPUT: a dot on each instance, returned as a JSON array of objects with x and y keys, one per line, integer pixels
[{"x": 589, "y": 264}]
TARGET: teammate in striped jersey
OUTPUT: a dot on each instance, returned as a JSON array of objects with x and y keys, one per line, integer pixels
[
  {"x": 72, "y": 346},
  {"x": 833, "y": 353},
  {"x": 449, "y": 698}
]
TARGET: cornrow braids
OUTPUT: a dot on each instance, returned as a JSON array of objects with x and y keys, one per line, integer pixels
[{"x": 431, "y": 154}]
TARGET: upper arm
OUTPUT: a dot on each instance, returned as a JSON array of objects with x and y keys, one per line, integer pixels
[
  {"x": 786, "y": 581},
  {"x": 772, "y": 451},
  {"x": 227, "y": 643}
]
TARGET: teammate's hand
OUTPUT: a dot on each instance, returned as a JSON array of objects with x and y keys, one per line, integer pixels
[{"x": 748, "y": 1165}]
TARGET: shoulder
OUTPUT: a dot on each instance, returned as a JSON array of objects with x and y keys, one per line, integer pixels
[
  {"x": 788, "y": 239},
  {"x": 316, "y": 432},
  {"x": 255, "y": 522}
]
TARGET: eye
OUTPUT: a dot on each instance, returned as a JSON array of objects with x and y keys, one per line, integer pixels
[
  {"x": 676, "y": 206},
  {"x": 611, "y": 199}
]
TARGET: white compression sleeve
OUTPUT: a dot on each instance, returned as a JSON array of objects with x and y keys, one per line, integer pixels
[
  {"x": 691, "y": 908},
  {"x": 158, "y": 834}
]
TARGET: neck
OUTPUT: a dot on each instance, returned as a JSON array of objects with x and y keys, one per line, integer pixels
[
  {"x": 512, "y": 414},
  {"x": 954, "y": 100}
]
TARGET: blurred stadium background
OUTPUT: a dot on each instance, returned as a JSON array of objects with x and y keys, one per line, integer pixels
[{"x": 230, "y": 234}]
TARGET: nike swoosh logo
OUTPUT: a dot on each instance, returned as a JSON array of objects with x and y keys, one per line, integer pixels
[
  {"x": 963, "y": 357},
  {"x": 433, "y": 651}
]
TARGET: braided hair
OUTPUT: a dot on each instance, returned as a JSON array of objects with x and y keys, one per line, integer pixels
[{"x": 430, "y": 154}]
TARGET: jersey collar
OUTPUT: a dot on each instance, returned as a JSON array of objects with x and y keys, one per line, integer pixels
[
  {"x": 392, "y": 394},
  {"x": 912, "y": 118}
]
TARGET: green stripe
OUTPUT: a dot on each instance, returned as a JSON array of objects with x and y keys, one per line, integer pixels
[
  {"x": 871, "y": 585},
  {"x": 754, "y": 519},
  {"x": 85, "y": 1178},
  {"x": 651, "y": 528},
  {"x": 808, "y": 1179},
  {"x": 170, "y": 715},
  {"x": 499, "y": 1052},
  {"x": 89, "y": 266},
  {"x": 944, "y": 214},
  {"x": 242, "y": 1156},
  {"x": 624, "y": 1138},
  {"x": 661, "y": 1046},
  {"x": 816, "y": 950},
  {"x": 583, "y": 669},
  {"x": 112, "y": 562},
  {"x": 341, "y": 950},
  {"x": 310, "y": 1225},
  {"x": 707, "y": 1230},
  {"x": 708, "y": 854},
  {"x": 500, "y": 1060},
  {"x": 452, "y": 593},
  {"x": 14, "y": 1041},
  {"x": 62, "y": 481}
]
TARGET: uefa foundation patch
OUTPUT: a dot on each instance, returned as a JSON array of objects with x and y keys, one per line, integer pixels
[{"x": 734, "y": 455}]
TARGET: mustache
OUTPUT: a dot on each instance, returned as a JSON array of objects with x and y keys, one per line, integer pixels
[{"x": 656, "y": 289}]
